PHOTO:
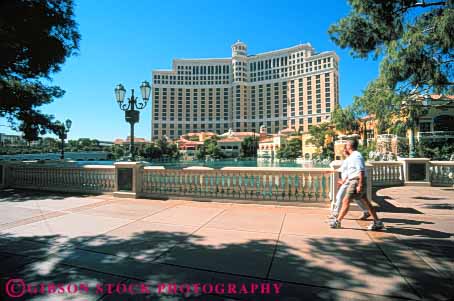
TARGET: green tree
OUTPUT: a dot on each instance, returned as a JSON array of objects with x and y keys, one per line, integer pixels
[
  {"x": 414, "y": 38},
  {"x": 36, "y": 37},
  {"x": 200, "y": 154},
  {"x": 210, "y": 148},
  {"x": 118, "y": 151},
  {"x": 162, "y": 145},
  {"x": 172, "y": 151},
  {"x": 291, "y": 150},
  {"x": 151, "y": 152},
  {"x": 440, "y": 149},
  {"x": 319, "y": 134},
  {"x": 73, "y": 145},
  {"x": 249, "y": 147},
  {"x": 380, "y": 100},
  {"x": 345, "y": 119}
]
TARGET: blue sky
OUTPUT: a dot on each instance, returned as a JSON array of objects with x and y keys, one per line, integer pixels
[{"x": 123, "y": 41}]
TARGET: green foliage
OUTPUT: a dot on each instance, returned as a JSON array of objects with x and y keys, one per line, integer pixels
[
  {"x": 366, "y": 149},
  {"x": 118, "y": 151},
  {"x": 36, "y": 37},
  {"x": 380, "y": 100},
  {"x": 290, "y": 151},
  {"x": 439, "y": 149},
  {"x": 210, "y": 148},
  {"x": 200, "y": 154},
  {"x": 161, "y": 150},
  {"x": 416, "y": 44},
  {"x": 51, "y": 145},
  {"x": 319, "y": 133},
  {"x": 249, "y": 147},
  {"x": 193, "y": 138},
  {"x": 345, "y": 119}
]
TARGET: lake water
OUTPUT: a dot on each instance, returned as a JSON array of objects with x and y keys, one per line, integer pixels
[{"x": 217, "y": 164}]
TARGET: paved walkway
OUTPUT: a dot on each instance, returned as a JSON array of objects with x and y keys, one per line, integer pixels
[{"x": 97, "y": 240}]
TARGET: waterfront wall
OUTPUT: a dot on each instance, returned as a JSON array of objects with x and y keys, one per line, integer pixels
[
  {"x": 300, "y": 185},
  {"x": 240, "y": 183}
]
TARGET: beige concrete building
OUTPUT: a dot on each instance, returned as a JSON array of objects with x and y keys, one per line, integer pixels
[{"x": 288, "y": 88}]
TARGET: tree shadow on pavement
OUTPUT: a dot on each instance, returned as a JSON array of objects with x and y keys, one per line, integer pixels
[
  {"x": 428, "y": 198},
  {"x": 309, "y": 268},
  {"x": 439, "y": 206},
  {"x": 386, "y": 206},
  {"x": 22, "y": 195},
  {"x": 404, "y": 221}
]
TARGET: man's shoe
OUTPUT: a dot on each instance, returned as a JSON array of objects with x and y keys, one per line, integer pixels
[
  {"x": 376, "y": 225},
  {"x": 365, "y": 216},
  {"x": 335, "y": 224}
]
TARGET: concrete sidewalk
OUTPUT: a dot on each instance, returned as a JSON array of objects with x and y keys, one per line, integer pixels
[{"x": 99, "y": 239}]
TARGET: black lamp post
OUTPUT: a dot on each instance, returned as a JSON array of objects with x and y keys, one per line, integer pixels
[
  {"x": 131, "y": 114},
  {"x": 63, "y": 129}
]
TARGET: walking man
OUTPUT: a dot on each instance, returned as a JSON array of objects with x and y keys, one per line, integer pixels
[
  {"x": 343, "y": 185},
  {"x": 356, "y": 177}
]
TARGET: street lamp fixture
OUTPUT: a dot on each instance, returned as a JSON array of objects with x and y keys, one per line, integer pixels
[
  {"x": 62, "y": 133},
  {"x": 131, "y": 108}
]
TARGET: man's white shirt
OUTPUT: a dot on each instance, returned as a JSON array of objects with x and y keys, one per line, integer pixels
[{"x": 355, "y": 165}]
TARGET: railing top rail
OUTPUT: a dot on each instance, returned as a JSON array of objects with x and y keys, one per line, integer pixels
[
  {"x": 154, "y": 167},
  {"x": 99, "y": 166},
  {"x": 42, "y": 166},
  {"x": 448, "y": 163},
  {"x": 280, "y": 169},
  {"x": 292, "y": 171},
  {"x": 385, "y": 162}
]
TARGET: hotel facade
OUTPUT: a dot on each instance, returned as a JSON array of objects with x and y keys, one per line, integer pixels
[{"x": 288, "y": 88}]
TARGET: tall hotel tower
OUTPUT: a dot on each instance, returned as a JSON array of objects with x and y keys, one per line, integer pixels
[{"x": 288, "y": 88}]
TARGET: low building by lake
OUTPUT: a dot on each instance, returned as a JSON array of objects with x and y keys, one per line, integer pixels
[{"x": 76, "y": 156}]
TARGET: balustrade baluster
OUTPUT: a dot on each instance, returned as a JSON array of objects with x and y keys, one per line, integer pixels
[
  {"x": 325, "y": 183},
  {"x": 300, "y": 187}
]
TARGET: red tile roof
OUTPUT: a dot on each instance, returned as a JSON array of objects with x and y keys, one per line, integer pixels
[
  {"x": 230, "y": 139},
  {"x": 244, "y": 134},
  {"x": 266, "y": 140},
  {"x": 128, "y": 139},
  {"x": 288, "y": 130},
  {"x": 441, "y": 96}
]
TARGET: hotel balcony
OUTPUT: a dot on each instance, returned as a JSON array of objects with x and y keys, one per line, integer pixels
[{"x": 436, "y": 135}]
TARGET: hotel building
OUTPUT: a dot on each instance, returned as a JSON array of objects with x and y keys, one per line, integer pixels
[{"x": 288, "y": 88}]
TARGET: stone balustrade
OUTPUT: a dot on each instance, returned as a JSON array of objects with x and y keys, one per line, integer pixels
[
  {"x": 442, "y": 173},
  {"x": 272, "y": 184},
  {"x": 386, "y": 173},
  {"x": 90, "y": 178},
  {"x": 395, "y": 173},
  {"x": 240, "y": 183}
]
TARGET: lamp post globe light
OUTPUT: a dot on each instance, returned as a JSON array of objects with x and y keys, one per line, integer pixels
[
  {"x": 62, "y": 132},
  {"x": 131, "y": 108}
]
